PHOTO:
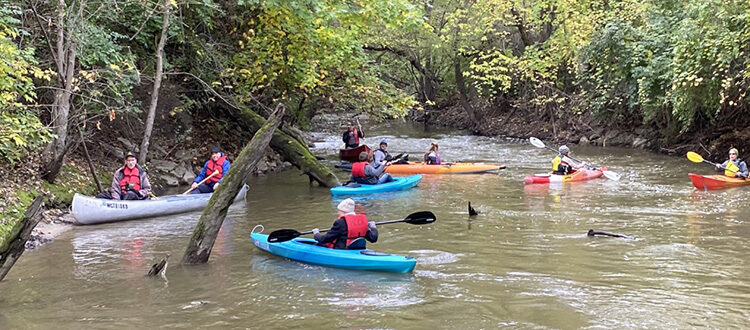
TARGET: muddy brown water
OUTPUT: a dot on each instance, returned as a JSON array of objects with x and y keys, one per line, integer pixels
[{"x": 524, "y": 262}]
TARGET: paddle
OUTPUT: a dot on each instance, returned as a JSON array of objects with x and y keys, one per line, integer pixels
[
  {"x": 696, "y": 158},
  {"x": 202, "y": 181},
  {"x": 416, "y": 218},
  {"x": 539, "y": 144}
]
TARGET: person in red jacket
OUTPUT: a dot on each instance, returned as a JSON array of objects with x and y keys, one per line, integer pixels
[
  {"x": 130, "y": 181},
  {"x": 347, "y": 227},
  {"x": 217, "y": 162}
]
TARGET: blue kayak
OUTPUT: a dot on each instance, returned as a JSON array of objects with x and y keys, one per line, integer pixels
[
  {"x": 398, "y": 183},
  {"x": 305, "y": 250}
]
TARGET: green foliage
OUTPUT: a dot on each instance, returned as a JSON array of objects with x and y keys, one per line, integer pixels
[
  {"x": 300, "y": 48},
  {"x": 21, "y": 131}
]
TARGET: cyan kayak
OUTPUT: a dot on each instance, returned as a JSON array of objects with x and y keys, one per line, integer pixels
[
  {"x": 398, "y": 183},
  {"x": 305, "y": 250}
]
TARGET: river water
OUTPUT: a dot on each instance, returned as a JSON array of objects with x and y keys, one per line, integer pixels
[{"x": 524, "y": 262}]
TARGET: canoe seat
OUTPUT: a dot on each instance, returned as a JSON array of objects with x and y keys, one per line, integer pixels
[{"x": 357, "y": 244}]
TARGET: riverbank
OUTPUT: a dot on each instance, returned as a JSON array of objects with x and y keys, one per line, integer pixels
[{"x": 584, "y": 128}]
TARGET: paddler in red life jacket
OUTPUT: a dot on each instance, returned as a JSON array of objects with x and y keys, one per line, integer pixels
[
  {"x": 346, "y": 228},
  {"x": 365, "y": 173},
  {"x": 351, "y": 137},
  {"x": 217, "y": 162},
  {"x": 130, "y": 181}
]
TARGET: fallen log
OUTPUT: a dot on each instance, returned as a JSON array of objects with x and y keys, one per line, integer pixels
[
  {"x": 205, "y": 232},
  {"x": 292, "y": 150},
  {"x": 16, "y": 245}
]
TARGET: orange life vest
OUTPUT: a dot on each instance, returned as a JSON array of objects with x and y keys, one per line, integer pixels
[
  {"x": 358, "y": 169},
  {"x": 130, "y": 176},
  {"x": 215, "y": 166},
  {"x": 356, "y": 226}
]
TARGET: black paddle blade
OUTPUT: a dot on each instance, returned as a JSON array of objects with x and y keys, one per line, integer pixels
[
  {"x": 472, "y": 211},
  {"x": 282, "y": 235},
  {"x": 420, "y": 218}
]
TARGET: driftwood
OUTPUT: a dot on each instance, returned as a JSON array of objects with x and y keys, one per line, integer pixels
[
  {"x": 23, "y": 228},
  {"x": 292, "y": 150},
  {"x": 205, "y": 232}
]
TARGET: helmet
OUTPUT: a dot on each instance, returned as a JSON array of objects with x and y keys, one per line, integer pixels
[{"x": 564, "y": 150}]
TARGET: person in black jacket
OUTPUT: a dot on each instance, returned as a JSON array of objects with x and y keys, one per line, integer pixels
[
  {"x": 351, "y": 137},
  {"x": 346, "y": 228}
]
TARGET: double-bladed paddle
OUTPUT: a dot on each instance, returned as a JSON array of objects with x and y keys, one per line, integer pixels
[
  {"x": 416, "y": 218},
  {"x": 539, "y": 144}
]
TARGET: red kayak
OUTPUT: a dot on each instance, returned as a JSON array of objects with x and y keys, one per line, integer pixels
[
  {"x": 577, "y": 175},
  {"x": 352, "y": 155},
  {"x": 712, "y": 182}
]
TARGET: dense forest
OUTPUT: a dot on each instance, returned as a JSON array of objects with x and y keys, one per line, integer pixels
[{"x": 670, "y": 72}]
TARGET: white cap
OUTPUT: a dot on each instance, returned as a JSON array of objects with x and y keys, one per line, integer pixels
[{"x": 346, "y": 206}]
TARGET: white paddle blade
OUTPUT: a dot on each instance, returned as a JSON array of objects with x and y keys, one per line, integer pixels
[
  {"x": 536, "y": 142},
  {"x": 611, "y": 175}
]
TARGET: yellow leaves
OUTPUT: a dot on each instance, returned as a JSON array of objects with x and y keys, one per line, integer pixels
[
  {"x": 173, "y": 3},
  {"x": 98, "y": 125},
  {"x": 112, "y": 115}
]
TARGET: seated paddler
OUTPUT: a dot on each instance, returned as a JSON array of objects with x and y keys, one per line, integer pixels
[
  {"x": 129, "y": 182},
  {"x": 563, "y": 164},
  {"x": 348, "y": 230},
  {"x": 733, "y": 167},
  {"x": 217, "y": 163},
  {"x": 365, "y": 173}
]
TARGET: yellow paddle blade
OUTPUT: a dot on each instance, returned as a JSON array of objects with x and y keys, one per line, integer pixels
[{"x": 694, "y": 157}]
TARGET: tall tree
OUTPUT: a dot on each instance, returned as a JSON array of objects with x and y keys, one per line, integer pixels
[{"x": 143, "y": 153}]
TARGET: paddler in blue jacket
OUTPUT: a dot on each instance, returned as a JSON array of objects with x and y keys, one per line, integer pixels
[
  {"x": 217, "y": 162},
  {"x": 346, "y": 228},
  {"x": 735, "y": 164}
]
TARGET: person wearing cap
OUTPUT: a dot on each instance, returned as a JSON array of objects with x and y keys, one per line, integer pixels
[
  {"x": 563, "y": 164},
  {"x": 381, "y": 156},
  {"x": 351, "y": 137},
  {"x": 365, "y": 173},
  {"x": 734, "y": 166},
  {"x": 347, "y": 227},
  {"x": 217, "y": 162},
  {"x": 130, "y": 181}
]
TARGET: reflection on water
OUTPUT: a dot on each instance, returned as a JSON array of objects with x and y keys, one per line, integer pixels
[{"x": 525, "y": 261}]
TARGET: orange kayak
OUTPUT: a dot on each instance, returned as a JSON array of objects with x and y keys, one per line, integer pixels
[
  {"x": 453, "y": 168},
  {"x": 711, "y": 182}
]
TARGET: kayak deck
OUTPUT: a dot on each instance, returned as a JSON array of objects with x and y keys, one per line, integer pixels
[
  {"x": 398, "y": 183},
  {"x": 305, "y": 250},
  {"x": 453, "y": 168},
  {"x": 578, "y": 175},
  {"x": 713, "y": 182}
]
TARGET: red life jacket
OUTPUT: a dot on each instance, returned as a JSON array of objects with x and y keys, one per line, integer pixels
[
  {"x": 356, "y": 136},
  {"x": 215, "y": 166},
  {"x": 358, "y": 169},
  {"x": 131, "y": 176},
  {"x": 356, "y": 226}
]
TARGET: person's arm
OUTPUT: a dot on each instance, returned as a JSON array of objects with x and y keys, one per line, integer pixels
[
  {"x": 345, "y": 137},
  {"x": 743, "y": 169},
  {"x": 360, "y": 133},
  {"x": 372, "y": 171},
  {"x": 722, "y": 167},
  {"x": 115, "y": 187},
  {"x": 337, "y": 230},
  {"x": 372, "y": 232},
  {"x": 145, "y": 186},
  {"x": 202, "y": 174},
  {"x": 224, "y": 170}
]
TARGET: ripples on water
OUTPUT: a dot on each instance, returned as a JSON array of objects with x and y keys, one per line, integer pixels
[{"x": 524, "y": 262}]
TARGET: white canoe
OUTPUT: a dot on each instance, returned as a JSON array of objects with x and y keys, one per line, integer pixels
[{"x": 88, "y": 210}]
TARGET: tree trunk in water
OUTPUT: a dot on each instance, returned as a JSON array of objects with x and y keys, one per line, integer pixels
[
  {"x": 292, "y": 150},
  {"x": 205, "y": 232},
  {"x": 17, "y": 245},
  {"x": 143, "y": 153}
]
